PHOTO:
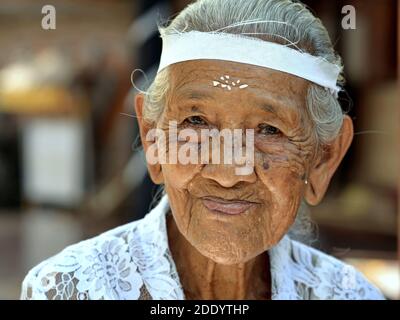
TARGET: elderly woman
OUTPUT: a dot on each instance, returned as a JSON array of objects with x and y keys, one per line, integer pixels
[{"x": 266, "y": 67}]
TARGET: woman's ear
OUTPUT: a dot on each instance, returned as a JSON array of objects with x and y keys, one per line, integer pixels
[
  {"x": 322, "y": 170},
  {"x": 144, "y": 128}
]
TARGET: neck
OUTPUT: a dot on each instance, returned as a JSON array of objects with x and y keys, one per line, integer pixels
[{"x": 202, "y": 278}]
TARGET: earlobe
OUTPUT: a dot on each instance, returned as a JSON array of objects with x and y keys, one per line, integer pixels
[
  {"x": 144, "y": 128},
  {"x": 325, "y": 166}
]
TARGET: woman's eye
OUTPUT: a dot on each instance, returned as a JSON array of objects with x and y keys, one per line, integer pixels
[
  {"x": 195, "y": 120},
  {"x": 267, "y": 129}
]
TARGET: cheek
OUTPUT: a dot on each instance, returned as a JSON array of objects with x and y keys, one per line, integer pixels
[
  {"x": 178, "y": 176},
  {"x": 275, "y": 154},
  {"x": 177, "y": 179},
  {"x": 281, "y": 170},
  {"x": 280, "y": 177},
  {"x": 284, "y": 191}
]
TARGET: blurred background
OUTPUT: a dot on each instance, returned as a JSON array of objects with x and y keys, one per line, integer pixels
[{"x": 70, "y": 162}]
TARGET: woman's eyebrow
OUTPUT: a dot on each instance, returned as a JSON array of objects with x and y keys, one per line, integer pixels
[
  {"x": 277, "y": 111},
  {"x": 193, "y": 108},
  {"x": 196, "y": 95},
  {"x": 268, "y": 108},
  {"x": 271, "y": 109}
]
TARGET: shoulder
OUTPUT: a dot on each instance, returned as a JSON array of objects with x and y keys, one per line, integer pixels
[
  {"x": 98, "y": 268},
  {"x": 321, "y": 276}
]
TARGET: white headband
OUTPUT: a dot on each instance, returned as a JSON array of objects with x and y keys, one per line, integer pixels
[{"x": 195, "y": 45}]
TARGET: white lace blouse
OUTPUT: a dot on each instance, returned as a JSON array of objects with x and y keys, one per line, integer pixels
[{"x": 134, "y": 262}]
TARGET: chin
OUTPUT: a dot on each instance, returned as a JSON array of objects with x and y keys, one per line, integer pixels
[{"x": 228, "y": 255}]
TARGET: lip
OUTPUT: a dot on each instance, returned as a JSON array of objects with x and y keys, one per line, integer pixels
[{"x": 230, "y": 207}]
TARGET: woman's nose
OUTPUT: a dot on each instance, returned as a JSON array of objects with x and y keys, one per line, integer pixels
[{"x": 226, "y": 175}]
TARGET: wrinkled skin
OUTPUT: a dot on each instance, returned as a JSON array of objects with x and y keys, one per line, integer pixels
[{"x": 225, "y": 256}]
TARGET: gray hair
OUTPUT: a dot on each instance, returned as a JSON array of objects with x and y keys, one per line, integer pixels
[{"x": 282, "y": 21}]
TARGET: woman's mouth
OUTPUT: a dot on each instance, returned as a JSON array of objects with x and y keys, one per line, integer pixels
[{"x": 232, "y": 207}]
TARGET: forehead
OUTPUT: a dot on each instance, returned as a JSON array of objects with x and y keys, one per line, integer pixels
[{"x": 194, "y": 78}]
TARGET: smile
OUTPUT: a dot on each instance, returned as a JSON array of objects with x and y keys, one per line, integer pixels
[{"x": 231, "y": 207}]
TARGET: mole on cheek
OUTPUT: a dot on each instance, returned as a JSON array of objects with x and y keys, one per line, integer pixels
[{"x": 265, "y": 165}]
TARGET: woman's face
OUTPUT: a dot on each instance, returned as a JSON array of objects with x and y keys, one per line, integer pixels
[{"x": 232, "y": 218}]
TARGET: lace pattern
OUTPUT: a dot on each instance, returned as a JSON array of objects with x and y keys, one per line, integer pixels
[{"x": 134, "y": 262}]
